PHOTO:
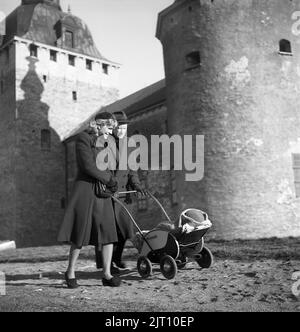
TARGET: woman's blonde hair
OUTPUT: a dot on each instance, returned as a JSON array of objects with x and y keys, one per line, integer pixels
[
  {"x": 92, "y": 127},
  {"x": 102, "y": 119}
]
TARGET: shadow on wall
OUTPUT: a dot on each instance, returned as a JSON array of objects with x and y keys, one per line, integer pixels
[{"x": 40, "y": 166}]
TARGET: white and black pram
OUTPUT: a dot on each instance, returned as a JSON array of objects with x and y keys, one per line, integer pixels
[{"x": 171, "y": 247}]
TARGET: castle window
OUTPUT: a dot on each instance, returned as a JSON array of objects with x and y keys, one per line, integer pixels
[
  {"x": 63, "y": 203},
  {"x": 53, "y": 55},
  {"x": 2, "y": 87},
  {"x": 74, "y": 95},
  {"x": 69, "y": 39},
  {"x": 105, "y": 68},
  {"x": 33, "y": 50},
  {"x": 193, "y": 59},
  {"x": 45, "y": 78},
  {"x": 165, "y": 127},
  {"x": 89, "y": 64},
  {"x": 45, "y": 140},
  {"x": 296, "y": 167},
  {"x": 285, "y": 47},
  {"x": 143, "y": 200},
  {"x": 72, "y": 60},
  {"x": 7, "y": 55},
  {"x": 174, "y": 198}
]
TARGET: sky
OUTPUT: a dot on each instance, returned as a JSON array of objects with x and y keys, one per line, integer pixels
[{"x": 124, "y": 31}]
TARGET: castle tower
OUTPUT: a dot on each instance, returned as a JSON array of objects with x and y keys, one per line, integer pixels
[
  {"x": 232, "y": 73},
  {"x": 52, "y": 78}
]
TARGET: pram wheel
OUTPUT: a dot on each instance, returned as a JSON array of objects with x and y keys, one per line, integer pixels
[
  {"x": 144, "y": 267},
  {"x": 205, "y": 258},
  {"x": 168, "y": 267}
]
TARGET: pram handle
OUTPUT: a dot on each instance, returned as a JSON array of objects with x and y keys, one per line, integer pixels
[
  {"x": 132, "y": 219},
  {"x": 153, "y": 197},
  {"x": 116, "y": 199}
]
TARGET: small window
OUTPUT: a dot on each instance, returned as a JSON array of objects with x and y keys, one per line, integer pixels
[
  {"x": 296, "y": 167},
  {"x": 105, "y": 68},
  {"x": 33, "y": 50},
  {"x": 89, "y": 64},
  {"x": 2, "y": 87},
  {"x": 72, "y": 60},
  {"x": 143, "y": 200},
  {"x": 165, "y": 127},
  {"x": 46, "y": 140},
  {"x": 74, "y": 95},
  {"x": 53, "y": 55},
  {"x": 285, "y": 47},
  {"x": 193, "y": 59},
  {"x": 69, "y": 39},
  {"x": 45, "y": 78},
  {"x": 174, "y": 198},
  {"x": 63, "y": 203},
  {"x": 7, "y": 55}
]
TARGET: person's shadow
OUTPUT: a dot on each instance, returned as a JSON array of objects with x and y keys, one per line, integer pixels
[
  {"x": 39, "y": 165},
  {"x": 22, "y": 280}
]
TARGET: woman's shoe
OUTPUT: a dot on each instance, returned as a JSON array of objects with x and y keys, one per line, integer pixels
[
  {"x": 71, "y": 283},
  {"x": 113, "y": 282}
]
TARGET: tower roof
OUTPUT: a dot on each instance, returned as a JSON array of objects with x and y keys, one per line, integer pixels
[
  {"x": 42, "y": 21},
  {"x": 54, "y": 3}
]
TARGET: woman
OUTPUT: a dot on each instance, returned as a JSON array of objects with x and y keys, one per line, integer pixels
[
  {"x": 90, "y": 220},
  {"x": 127, "y": 180}
]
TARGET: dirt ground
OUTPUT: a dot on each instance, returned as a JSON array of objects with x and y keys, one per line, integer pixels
[{"x": 246, "y": 276}]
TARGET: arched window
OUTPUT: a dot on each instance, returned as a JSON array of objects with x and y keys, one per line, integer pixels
[
  {"x": 45, "y": 140},
  {"x": 285, "y": 46},
  {"x": 296, "y": 167},
  {"x": 105, "y": 68},
  {"x": 193, "y": 59},
  {"x": 33, "y": 50},
  {"x": 174, "y": 197},
  {"x": 69, "y": 39}
]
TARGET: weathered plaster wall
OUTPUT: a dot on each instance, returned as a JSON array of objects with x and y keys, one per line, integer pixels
[{"x": 244, "y": 97}]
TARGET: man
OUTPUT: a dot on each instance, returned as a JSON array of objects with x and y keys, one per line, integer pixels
[{"x": 127, "y": 180}]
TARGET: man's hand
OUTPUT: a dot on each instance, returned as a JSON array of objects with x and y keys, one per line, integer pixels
[{"x": 142, "y": 192}]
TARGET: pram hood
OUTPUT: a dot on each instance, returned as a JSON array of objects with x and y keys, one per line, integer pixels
[{"x": 194, "y": 219}]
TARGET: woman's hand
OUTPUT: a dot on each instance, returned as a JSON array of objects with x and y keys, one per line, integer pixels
[{"x": 112, "y": 185}]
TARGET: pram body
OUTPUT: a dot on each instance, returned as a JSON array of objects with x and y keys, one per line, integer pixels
[{"x": 171, "y": 249}]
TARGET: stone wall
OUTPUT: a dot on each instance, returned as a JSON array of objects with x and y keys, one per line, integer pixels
[
  {"x": 38, "y": 111},
  {"x": 7, "y": 145},
  {"x": 244, "y": 97}
]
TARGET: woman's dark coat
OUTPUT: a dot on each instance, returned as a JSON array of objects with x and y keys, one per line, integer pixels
[{"x": 88, "y": 220}]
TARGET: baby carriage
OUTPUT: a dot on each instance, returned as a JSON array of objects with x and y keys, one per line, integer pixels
[{"x": 172, "y": 247}]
